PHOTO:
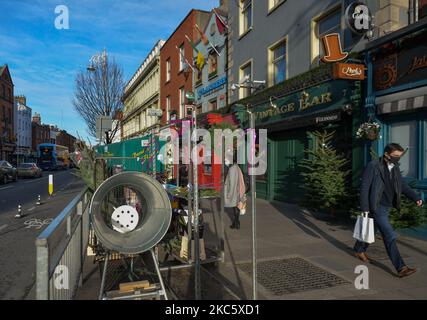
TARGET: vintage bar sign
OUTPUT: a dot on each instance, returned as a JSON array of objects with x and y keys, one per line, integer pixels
[{"x": 349, "y": 71}]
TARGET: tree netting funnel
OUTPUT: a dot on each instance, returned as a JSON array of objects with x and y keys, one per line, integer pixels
[{"x": 152, "y": 204}]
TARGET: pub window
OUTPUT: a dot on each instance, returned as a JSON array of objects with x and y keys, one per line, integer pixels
[
  {"x": 277, "y": 56},
  {"x": 213, "y": 64},
  {"x": 405, "y": 134},
  {"x": 245, "y": 73},
  {"x": 330, "y": 23},
  {"x": 181, "y": 58},
  {"x": 4, "y": 91},
  {"x": 245, "y": 15}
]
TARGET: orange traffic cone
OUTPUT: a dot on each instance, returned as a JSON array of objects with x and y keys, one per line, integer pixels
[{"x": 333, "y": 51}]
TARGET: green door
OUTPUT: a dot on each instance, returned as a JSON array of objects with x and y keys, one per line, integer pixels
[{"x": 286, "y": 179}]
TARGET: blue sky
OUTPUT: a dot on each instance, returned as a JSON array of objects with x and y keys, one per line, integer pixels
[{"x": 44, "y": 60}]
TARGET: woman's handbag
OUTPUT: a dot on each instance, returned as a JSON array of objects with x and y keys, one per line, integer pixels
[
  {"x": 242, "y": 206},
  {"x": 364, "y": 229}
]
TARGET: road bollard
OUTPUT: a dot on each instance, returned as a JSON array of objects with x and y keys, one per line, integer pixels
[
  {"x": 38, "y": 200},
  {"x": 19, "y": 214}
]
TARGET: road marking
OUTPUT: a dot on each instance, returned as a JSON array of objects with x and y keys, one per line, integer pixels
[
  {"x": 31, "y": 209},
  {"x": 4, "y": 188},
  {"x": 37, "y": 223},
  {"x": 3, "y": 227}
]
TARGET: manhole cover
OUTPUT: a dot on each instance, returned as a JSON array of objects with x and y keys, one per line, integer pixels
[{"x": 292, "y": 275}]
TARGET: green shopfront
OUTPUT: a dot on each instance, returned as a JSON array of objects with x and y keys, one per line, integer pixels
[{"x": 312, "y": 101}]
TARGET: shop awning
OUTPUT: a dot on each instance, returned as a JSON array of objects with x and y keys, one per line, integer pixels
[{"x": 402, "y": 101}]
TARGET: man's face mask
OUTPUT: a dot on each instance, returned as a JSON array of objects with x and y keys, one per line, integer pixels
[{"x": 394, "y": 159}]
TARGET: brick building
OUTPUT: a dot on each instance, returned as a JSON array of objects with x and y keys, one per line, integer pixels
[
  {"x": 7, "y": 135},
  {"x": 65, "y": 139},
  {"x": 175, "y": 76},
  {"x": 40, "y": 132}
]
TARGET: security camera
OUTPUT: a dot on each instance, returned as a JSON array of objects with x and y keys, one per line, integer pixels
[{"x": 235, "y": 87}]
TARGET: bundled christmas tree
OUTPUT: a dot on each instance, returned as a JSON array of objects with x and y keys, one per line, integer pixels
[
  {"x": 86, "y": 165},
  {"x": 325, "y": 174}
]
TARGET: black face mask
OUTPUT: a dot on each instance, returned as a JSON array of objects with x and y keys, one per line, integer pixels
[{"x": 393, "y": 160}]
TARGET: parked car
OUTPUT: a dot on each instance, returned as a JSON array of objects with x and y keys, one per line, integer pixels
[
  {"x": 7, "y": 172},
  {"x": 29, "y": 170}
]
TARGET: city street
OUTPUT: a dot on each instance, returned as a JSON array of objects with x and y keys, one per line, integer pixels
[{"x": 17, "y": 236}]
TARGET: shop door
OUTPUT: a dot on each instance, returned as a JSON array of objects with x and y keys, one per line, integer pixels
[{"x": 287, "y": 182}]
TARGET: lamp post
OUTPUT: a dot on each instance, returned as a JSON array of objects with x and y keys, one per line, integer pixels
[
  {"x": 246, "y": 83},
  {"x": 94, "y": 62}
]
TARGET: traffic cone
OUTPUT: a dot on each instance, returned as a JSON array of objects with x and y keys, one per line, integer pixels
[{"x": 19, "y": 214}]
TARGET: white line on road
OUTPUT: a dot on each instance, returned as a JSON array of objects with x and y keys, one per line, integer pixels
[
  {"x": 4, "y": 188},
  {"x": 3, "y": 227},
  {"x": 31, "y": 209}
]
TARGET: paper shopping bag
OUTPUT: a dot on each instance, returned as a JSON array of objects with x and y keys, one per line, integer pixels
[{"x": 364, "y": 229}]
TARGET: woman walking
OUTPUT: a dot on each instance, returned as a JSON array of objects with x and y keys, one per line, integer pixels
[{"x": 234, "y": 193}]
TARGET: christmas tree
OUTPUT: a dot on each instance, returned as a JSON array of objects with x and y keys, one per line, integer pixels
[{"x": 324, "y": 174}]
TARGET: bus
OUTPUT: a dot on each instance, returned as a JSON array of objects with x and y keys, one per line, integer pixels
[{"x": 53, "y": 156}]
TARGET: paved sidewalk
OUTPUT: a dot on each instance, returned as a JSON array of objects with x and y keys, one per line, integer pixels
[
  {"x": 302, "y": 256},
  {"x": 286, "y": 231}
]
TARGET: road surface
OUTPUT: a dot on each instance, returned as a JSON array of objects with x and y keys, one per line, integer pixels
[{"x": 17, "y": 236}]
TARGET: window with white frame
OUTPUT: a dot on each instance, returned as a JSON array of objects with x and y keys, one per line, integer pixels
[
  {"x": 213, "y": 63},
  {"x": 181, "y": 102},
  {"x": 181, "y": 58},
  {"x": 405, "y": 134},
  {"x": 278, "y": 63},
  {"x": 168, "y": 70},
  {"x": 168, "y": 107},
  {"x": 273, "y": 3},
  {"x": 330, "y": 23},
  {"x": 245, "y": 73},
  {"x": 245, "y": 15}
]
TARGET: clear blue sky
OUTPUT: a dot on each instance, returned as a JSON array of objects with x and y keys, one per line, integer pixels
[{"x": 44, "y": 60}]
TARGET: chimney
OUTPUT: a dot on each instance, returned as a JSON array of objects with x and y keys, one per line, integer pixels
[{"x": 37, "y": 118}]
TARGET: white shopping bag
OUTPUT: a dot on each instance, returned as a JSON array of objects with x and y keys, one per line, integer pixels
[{"x": 364, "y": 229}]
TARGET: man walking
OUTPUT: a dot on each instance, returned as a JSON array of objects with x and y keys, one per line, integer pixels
[{"x": 381, "y": 189}]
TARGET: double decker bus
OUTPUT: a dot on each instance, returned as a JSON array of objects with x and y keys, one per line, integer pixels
[{"x": 53, "y": 156}]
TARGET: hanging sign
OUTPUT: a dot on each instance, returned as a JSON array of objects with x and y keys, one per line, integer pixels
[{"x": 349, "y": 71}]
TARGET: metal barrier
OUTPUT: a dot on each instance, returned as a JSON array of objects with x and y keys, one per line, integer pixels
[{"x": 61, "y": 250}]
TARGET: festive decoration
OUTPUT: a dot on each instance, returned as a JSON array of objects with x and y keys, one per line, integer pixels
[
  {"x": 369, "y": 131},
  {"x": 325, "y": 174}
]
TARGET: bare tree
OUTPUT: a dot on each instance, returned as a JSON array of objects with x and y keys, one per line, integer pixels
[{"x": 98, "y": 92}]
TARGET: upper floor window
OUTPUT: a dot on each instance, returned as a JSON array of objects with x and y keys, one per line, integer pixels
[
  {"x": 328, "y": 24},
  {"x": 245, "y": 15},
  {"x": 181, "y": 58},
  {"x": 245, "y": 73},
  {"x": 277, "y": 57},
  {"x": 181, "y": 102},
  {"x": 213, "y": 63},
  {"x": 168, "y": 108},
  {"x": 3, "y": 91},
  {"x": 168, "y": 70},
  {"x": 274, "y": 3}
]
